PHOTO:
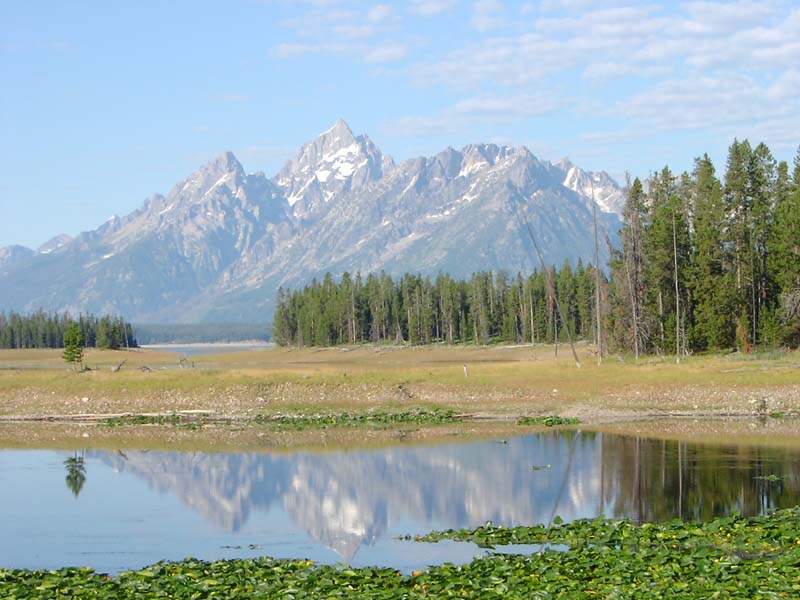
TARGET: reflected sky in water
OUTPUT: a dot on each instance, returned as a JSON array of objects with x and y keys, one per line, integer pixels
[{"x": 133, "y": 508}]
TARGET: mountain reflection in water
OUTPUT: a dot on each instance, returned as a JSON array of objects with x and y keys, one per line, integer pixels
[
  {"x": 116, "y": 510},
  {"x": 347, "y": 499}
]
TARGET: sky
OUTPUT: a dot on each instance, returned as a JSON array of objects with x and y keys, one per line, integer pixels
[{"x": 105, "y": 103}]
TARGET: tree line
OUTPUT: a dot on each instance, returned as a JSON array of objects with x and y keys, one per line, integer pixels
[
  {"x": 418, "y": 309},
  {"x": 704, "y": 264},
  {"x": 47, "y": 330},
  {"x": 710, "y": 264}
]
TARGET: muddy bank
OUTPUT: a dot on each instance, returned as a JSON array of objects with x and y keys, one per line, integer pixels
[{"x": 243, "y": 402}]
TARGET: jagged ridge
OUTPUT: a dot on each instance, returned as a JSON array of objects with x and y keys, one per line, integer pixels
[{"x": 219, "y": 244}]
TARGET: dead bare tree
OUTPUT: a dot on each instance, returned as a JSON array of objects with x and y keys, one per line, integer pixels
[
  {"x": 632, "y": 258},
  {"x": 523, "y": 219},
  {"x": 598, "y": 322},
  {"x": 791, "y": 304},
  {"x": 677, "y": 294}
]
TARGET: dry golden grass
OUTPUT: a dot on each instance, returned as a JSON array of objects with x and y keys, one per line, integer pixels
[{"x": 500, "y": 381}]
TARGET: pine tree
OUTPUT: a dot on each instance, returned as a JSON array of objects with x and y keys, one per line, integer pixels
[
  {"x": 739, "y": 205},
  {"x": 784, "y": 258},
  {"x": 711, "y": 282},
  {"x": 74, "y": 345}
]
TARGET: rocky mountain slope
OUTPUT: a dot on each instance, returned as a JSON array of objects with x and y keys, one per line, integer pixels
[{"x": 221, "y": 242}]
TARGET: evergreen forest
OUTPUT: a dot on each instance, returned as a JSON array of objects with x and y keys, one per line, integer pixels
[
  {"x": 43, "y": 330},
  {"x": 705, "y": 264}
]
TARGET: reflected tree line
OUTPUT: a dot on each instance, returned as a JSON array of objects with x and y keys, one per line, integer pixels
[{"x": 657, "y": 480}]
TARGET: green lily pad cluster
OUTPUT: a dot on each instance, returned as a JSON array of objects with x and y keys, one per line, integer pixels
[
  {"x": 733, "y": 534},
  {"x": 734, "y": 557},
  {"x": 175, "y": 420},
  {"x": 549, "y": 421},
  {"x": 433, "y": 416}
]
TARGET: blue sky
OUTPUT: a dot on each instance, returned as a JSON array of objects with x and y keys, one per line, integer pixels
[{"x": 104, "y": 103}]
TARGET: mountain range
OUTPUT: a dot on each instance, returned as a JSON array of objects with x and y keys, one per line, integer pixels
[{"x": 220, "y": 243}]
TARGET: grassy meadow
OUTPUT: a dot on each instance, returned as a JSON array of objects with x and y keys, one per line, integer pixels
[{"x": 479, "y": 381}]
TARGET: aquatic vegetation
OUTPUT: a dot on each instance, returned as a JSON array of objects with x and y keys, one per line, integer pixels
[
  {"x": 732, "y": 557},
  {"x": 549, "y": 421},
  {"x": 736, "y": 535},
  {"x": 428, "y": 416},
  {"x": 175, "y": 420},
  {"x": 349, "y": 419}
]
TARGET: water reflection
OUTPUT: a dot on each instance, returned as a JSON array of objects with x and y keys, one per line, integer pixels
[
  {"x": 76, "y": 473},
  {"x": 348, "y": 499},
  {"x": 652, "y": 480},
  {"x": 142, "y": 506}
]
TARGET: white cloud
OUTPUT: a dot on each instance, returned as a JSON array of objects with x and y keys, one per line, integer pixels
[
  {"x": 343, "y": 28},
  {"x": 570, "y": 5},
  {"x": 701, "y": 102},
  {"x": 701, "y": 65},
  {"x": 743, "y": 106},
  {"x": 729, "y": 16},
  {"x": 354, "y": 30},
  {"x": 505, "y": 107},
  {"x": 386, "y": 53},
  {"x": 488, "y": 15},
  {"x": 639, "y": 41},
  {"x": 431, "y": 7},
  {"x": 379, "y": 12},
  {"x": 476, "y": 110},
  {"x": 293, "y": 50}
]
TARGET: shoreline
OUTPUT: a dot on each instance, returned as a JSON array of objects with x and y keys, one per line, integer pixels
[
  {"x": 208, "y": 433},
  {"x": 243, "y": 402},
  {"x": 481, "y": 383},
  {"x": 597, "y": 417}
]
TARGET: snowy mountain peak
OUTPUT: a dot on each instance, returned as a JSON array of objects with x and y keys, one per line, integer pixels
[
  {"x": 478, "y": 157},
  {"x": 54, "y": 244},
  {"x": 10, "y": 256},
  {"x": 340, "y": 129},
  {"x": 598, "y": 185},
  {"x": 223, "y": 169},
  {"x": 221, "y": 242},
  {"x": 336, "y": 161},
  {"x": 565, "y": 164},
  {"x": 222, "y": 164}
]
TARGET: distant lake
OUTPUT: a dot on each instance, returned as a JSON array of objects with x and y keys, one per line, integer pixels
[
  {"x": 192, "y": 349},
  {"x": 124, "y": 509}
]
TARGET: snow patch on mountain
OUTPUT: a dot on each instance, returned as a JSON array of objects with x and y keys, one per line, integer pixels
[
  {"x": 218, "y": 245},
  {"x": 606, "y": 192},
  {"x": 336, "y": 162}
]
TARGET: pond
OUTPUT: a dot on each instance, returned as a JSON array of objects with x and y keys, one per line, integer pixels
[
  {"x": 119, "y": 510},
  {"x": 209, "y": 348}
]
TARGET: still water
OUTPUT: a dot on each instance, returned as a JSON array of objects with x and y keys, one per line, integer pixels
[
  {"x": 195, "y": 349},
  {"x": 127, "y": 509}
]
